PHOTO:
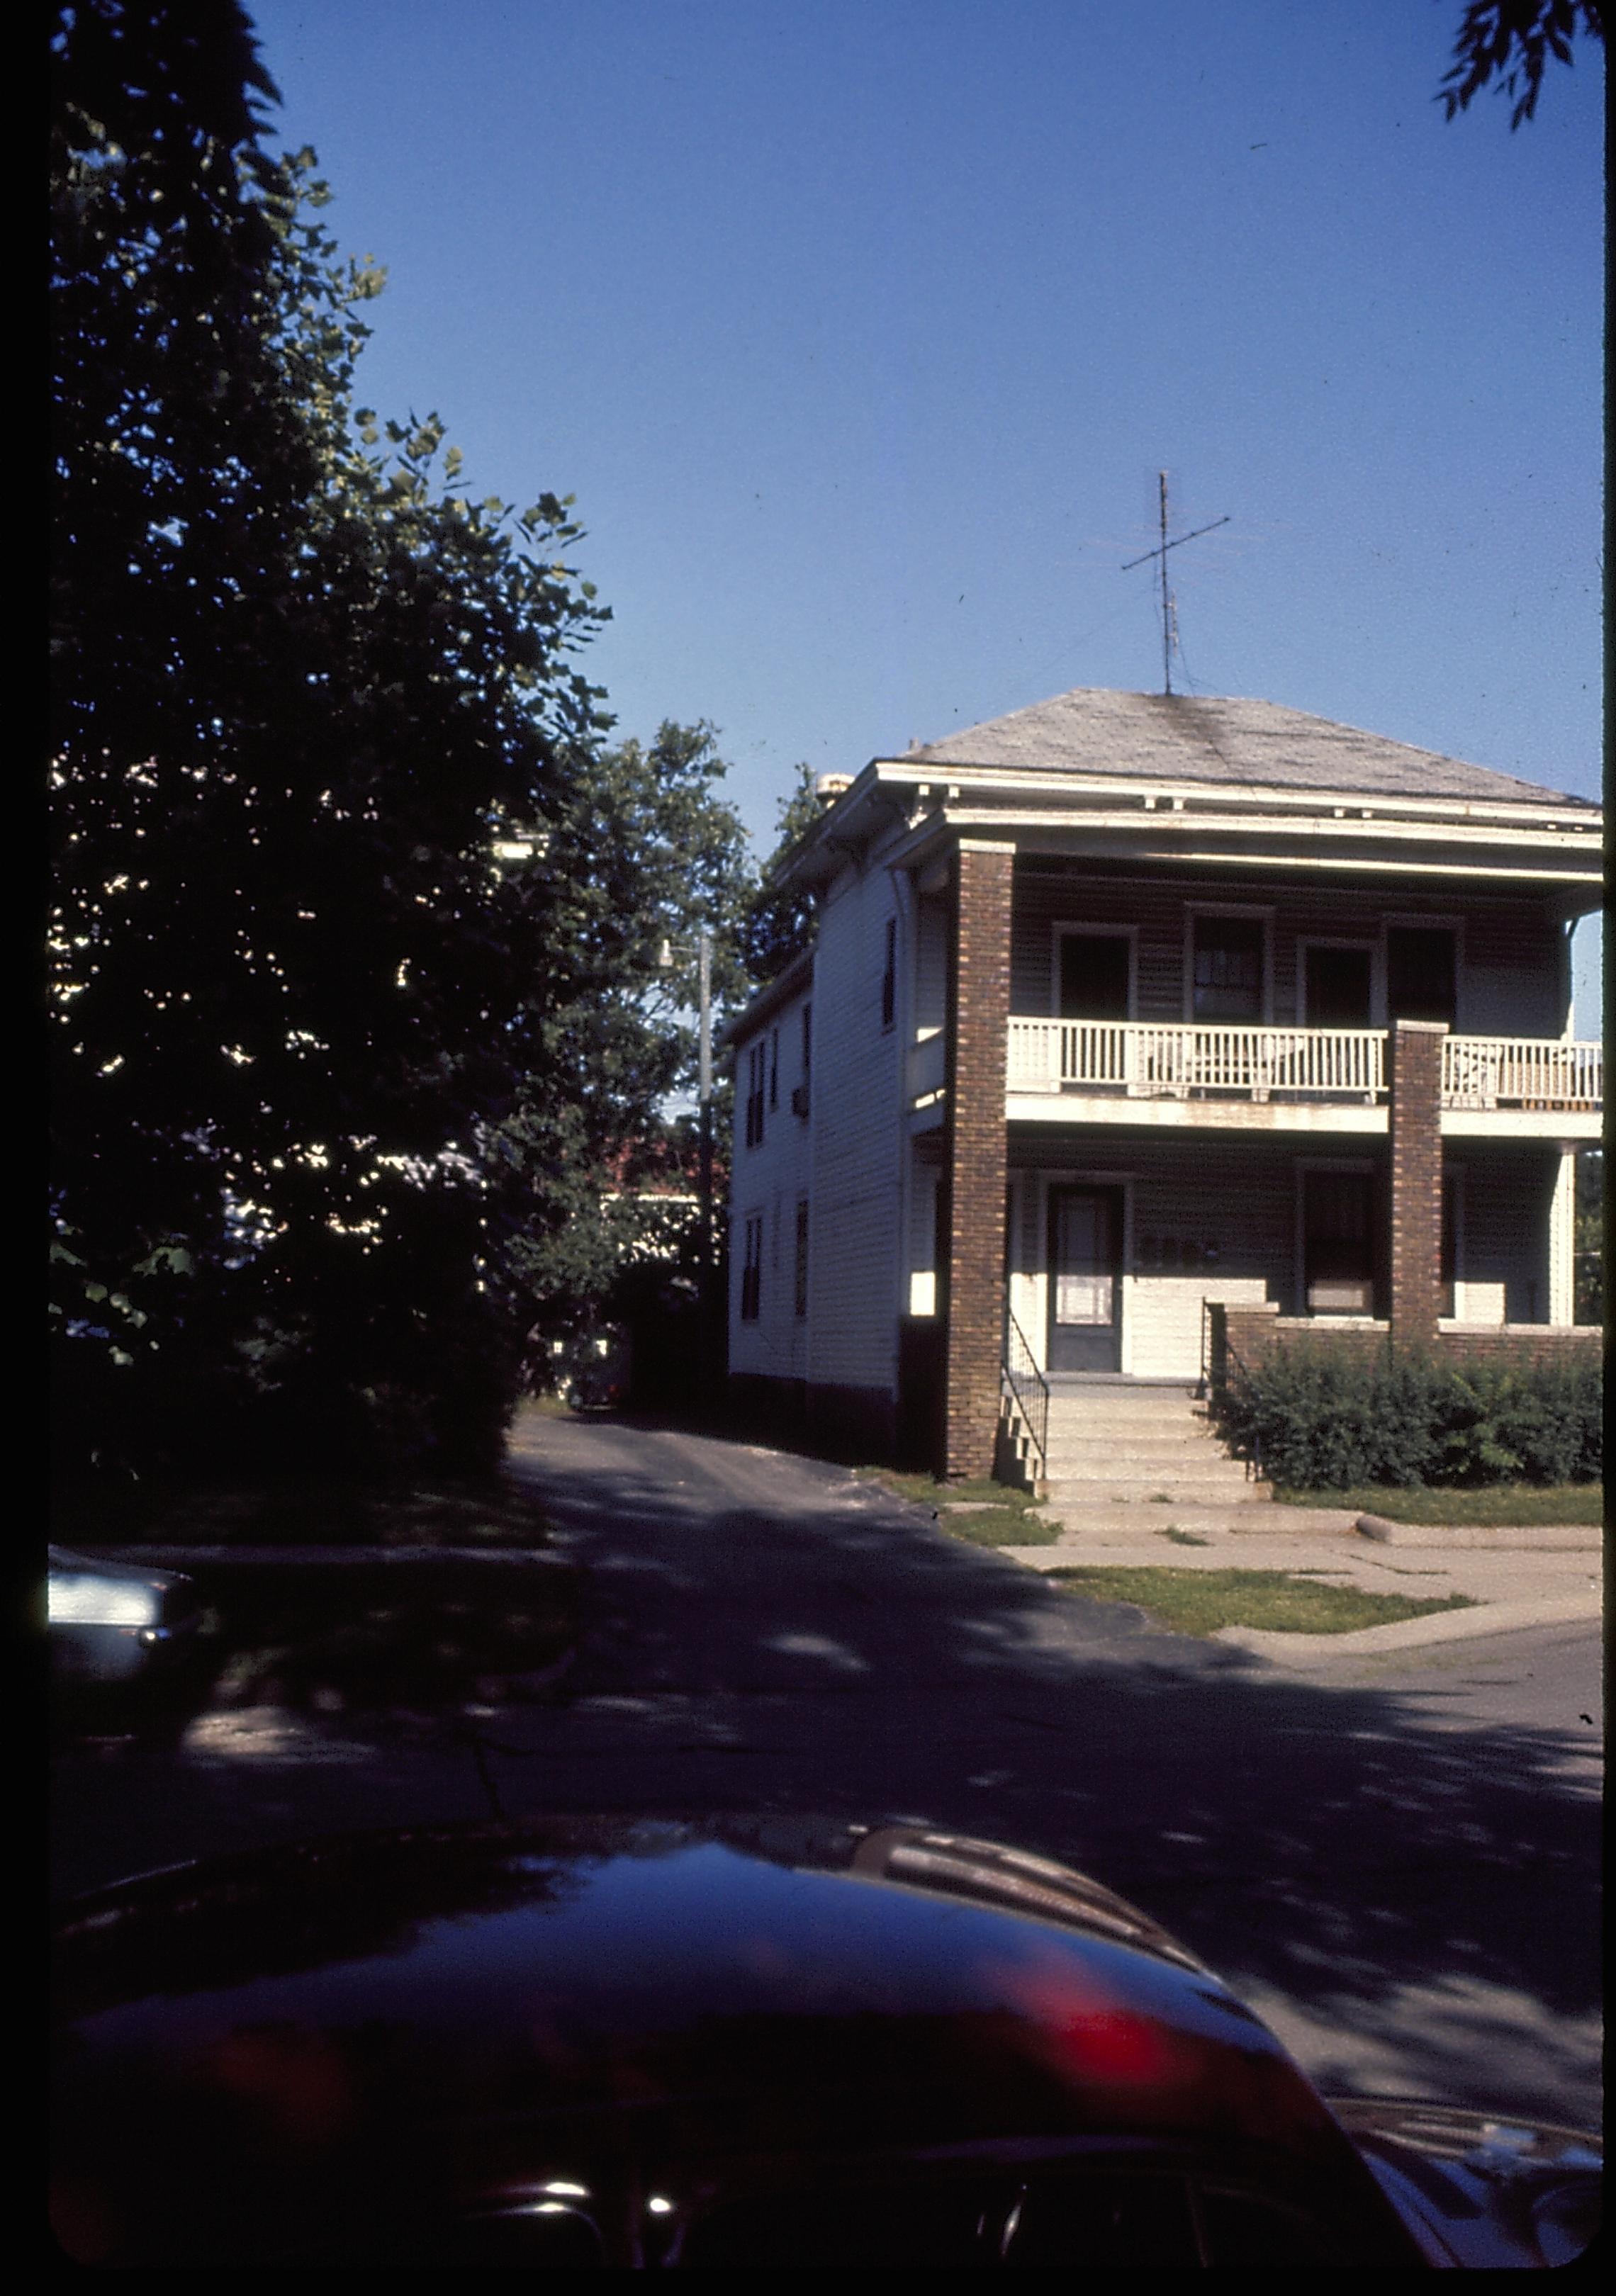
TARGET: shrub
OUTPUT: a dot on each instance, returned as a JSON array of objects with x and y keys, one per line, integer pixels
[{"x": 1322, "y": 1420}]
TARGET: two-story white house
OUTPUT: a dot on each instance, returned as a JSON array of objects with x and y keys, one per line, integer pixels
[{"x": 1125, "y": 1008}]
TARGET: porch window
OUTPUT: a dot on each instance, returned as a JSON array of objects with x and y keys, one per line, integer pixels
[
  {"x": 1229, "y": 954},
  {"x": 1338, "y": 1216}
]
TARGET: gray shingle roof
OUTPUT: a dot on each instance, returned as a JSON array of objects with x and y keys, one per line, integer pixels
[{"x": 1203, "y": 738}]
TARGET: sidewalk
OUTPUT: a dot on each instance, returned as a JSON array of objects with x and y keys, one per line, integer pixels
[{"x": 1537, "y": 1575}]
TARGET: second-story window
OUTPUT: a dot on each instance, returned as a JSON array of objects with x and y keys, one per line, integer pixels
[
  {"x": 800, "y": 1092},
  {"x": 1229, "y": 969},
  {"x": 888, "y": 977},
  {"x": 754, "y": 1096},
  {"x": 773, "y": 1069}
]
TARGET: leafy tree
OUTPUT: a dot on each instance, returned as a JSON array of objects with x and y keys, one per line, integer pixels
[
  {"x": 648, "y": 856},
  {"x": 778, "y": 925},
  {"x": 317, "y": 1052},
  {"x": 1590, "y": 1236},
  {"x": 1510, "y": 41}
]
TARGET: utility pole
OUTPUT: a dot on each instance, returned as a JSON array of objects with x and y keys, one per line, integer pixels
[
  {"x": 1169, "y": 608},
  {"x": 704, "y": 1106}
]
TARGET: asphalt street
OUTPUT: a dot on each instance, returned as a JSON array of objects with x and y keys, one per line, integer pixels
[{"x": 1395, "y": 1859}]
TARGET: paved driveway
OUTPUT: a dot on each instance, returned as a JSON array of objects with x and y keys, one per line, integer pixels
[{"x": 1405, "y": 1886}]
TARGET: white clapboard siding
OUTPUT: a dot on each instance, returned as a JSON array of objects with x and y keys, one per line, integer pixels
[
  {"x": 769, "y": 1178},
  {"x": 1510, "y": 975},
  {"x": 857, "y": 1251}
]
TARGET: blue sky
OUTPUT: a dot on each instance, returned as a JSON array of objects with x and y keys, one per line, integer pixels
[{"x": 860, "y": 329}]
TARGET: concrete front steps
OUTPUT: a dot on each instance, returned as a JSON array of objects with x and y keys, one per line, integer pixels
[{"x": 1117, "y": 1446}]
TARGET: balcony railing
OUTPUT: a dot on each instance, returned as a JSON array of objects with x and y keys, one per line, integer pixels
[
  {"x": 1148, "y": 1060},
  {"x": 1521, "y": 1072}
]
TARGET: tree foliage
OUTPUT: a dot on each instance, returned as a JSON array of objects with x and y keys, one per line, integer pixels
[
  {"x": 777, "y": 924},
  {"x": 319, "y": 1049},
  {"x": 650, "y": 856},
  {"x": 1510, "y": 42}
]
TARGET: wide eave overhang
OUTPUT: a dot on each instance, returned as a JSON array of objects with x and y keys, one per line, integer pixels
[{"x": 915, "y": 810}]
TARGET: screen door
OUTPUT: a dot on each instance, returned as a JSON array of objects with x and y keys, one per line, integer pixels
[{"x": 1084, "y": 1279}]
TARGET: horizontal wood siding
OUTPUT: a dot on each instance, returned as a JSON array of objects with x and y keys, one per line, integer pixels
[
  {"x": 858, "y": 1142},
  {"x": 770, "y": 1178},
  {"x": 1505, "y": 1259},
  {"x": 1512, "y": 980},
  {"x": 1235, "y": 1198}
]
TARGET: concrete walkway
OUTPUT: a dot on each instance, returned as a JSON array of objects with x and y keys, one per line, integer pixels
[{"x": 1539, "y": 1575}]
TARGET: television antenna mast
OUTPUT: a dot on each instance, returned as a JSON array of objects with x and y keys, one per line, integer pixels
[{"x": 1169, "y": 611}]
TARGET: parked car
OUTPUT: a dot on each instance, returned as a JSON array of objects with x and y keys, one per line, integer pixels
[
  {"x": 111, "y": 1623},
  {"x": 636, "y": 2043},
  {"x": 598, "y": 1375}
]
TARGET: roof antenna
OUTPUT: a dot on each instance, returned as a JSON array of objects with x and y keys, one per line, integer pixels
[{"x": 1169, "y": 604}]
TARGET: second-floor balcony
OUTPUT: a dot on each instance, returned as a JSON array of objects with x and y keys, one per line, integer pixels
[{"x": 1185, "y": 1072}]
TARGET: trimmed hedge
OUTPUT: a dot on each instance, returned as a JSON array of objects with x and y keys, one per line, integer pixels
[{"x": 1320, "y": 1420}]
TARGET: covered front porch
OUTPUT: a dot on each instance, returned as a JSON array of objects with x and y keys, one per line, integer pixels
[
  {"x": 1116, "y": 1247},
  {"x": 1102, "y": 1249}
]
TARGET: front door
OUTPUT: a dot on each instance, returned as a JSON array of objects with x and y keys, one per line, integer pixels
[
  {"x": 1336, "y": 988},
  {"x": 1084, "y": 1279},
  {"x": 1094, "y": 976}
]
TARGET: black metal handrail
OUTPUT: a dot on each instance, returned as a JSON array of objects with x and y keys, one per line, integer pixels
[
  {"x": 1231, "y": 1355},
  {"x": 1028, "y": 1389}
]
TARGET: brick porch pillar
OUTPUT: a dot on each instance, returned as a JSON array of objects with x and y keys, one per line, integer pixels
[
  {"x": 977, "y": 1053},
  {"x": 1416, "y": 1180}
]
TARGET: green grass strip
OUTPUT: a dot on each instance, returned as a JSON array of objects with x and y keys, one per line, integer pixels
[
  {"x": 1201, "y": 1601},
  {"x": 983, "y": 1491},
  {"x": 999, "y": 1527},
  {"x": 1501, "y": 1505}
]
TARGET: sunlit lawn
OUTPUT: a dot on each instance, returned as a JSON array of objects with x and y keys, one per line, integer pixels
[
  {"x": 1200, "y": 1602},
  {"x": 985, "y": 1513}
]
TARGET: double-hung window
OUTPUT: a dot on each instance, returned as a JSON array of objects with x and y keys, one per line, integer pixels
[
  {"x": 752, "y": 1271},
  {"x": 755, "y": 1084},
  {"x": 1228, "y": 978}
]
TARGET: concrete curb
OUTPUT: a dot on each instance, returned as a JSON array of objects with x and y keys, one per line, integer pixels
[
  {"x": 1413, "y": 1634},
  {"x": 1539, "y": 1538}
]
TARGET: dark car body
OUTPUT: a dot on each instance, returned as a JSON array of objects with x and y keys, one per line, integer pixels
[{"x": 639, "y": 2043}]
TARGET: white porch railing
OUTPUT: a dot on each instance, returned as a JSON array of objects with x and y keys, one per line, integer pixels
[
  {"x": 1146, "y": 1060},
  {"x": 1523, "y": 1072}
]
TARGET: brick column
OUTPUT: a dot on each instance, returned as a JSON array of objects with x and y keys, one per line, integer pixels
[
  {"x": 979, "y": 1038},
  {"x": 1416, "y": 1180}
]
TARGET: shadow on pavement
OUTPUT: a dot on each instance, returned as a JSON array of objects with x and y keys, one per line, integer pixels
[{"x": 1414, "y": 1907}]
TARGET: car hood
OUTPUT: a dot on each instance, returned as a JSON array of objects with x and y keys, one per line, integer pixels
[{"x": 444, "y": 2015}]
